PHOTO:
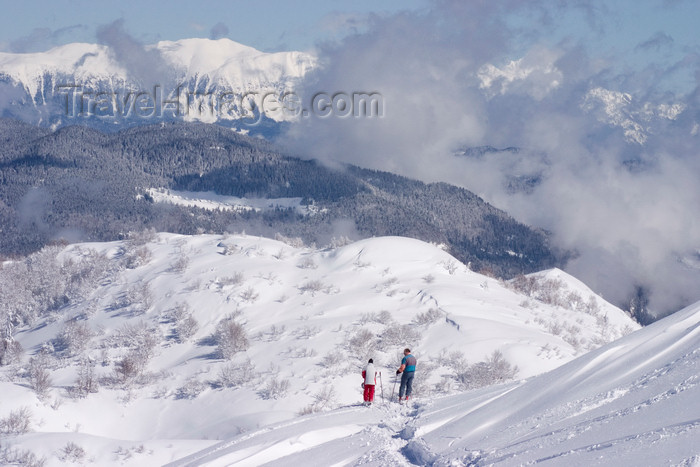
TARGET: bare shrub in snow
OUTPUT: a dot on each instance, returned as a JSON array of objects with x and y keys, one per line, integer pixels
[
  {"x": 363, "y": 343},
  {"x": 275, "y": 388},
  {"x": 10, "y": 351},
  {"x": 235, "y": 279},
  {"x": 332, "y": 360},
  {"x": 323, "y": 399},
  {"x": 392, "y": 281},
  {"x": 142, "y": 237},
  {"x": 139, "y": 297},
  {"x": 230, "y": 337},
  {"x": 191, "y": 389},
  {"x": 236, "y": 374},
  {"x": 129, "y": 367},
  {"x": 400, "y": 335},
  {"x": 451, "y": 266},
  {"x": 135, "y": 257},
  {"x": 39, "y": 377},
  {"x": 273, "y": 334},
  {"x": 230, "y": 249},
  {"x": 86, "y": 382},
  {"x": 383, "y": 317},
  {"x": 312, "y": 287},
  {"x": 72, "y": 452},
  {"x": 249, "y": 295},
  {"x": 295, "y": 242},
  {"x": 17, "y": 422},
  {"x": 186, "y": 328},
  {"x": 306, "y": 332},
  {"x": 338, "y": 242},
  {"x": 139, "y": 336},
  {"x": 307, "y": 263},
  {"x": 141, "y": 340},
  {"x": 427, "y": 318},
  {"x": 492, "y": 371},
  {"x": 180, "y": 264},
  {"x": 74, "y": 337},
  {"x": 184, "y": 324},
  {"x": 10, "y": 456}
]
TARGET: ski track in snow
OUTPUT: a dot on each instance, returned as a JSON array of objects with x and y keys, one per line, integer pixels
[{"x": 376, "y": 440}]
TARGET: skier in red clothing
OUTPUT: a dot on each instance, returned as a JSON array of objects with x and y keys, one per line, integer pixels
[{"x": 370, "y": 376}]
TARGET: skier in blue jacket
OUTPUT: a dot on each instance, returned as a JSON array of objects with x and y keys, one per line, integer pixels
[{"x": 407, "y": 370}]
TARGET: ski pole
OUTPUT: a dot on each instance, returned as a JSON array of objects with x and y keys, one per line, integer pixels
[
  {"x": 393, "y": 389},
  {"x": 381, "y": 385}
]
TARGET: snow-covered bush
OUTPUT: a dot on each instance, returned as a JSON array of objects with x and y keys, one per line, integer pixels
[
  {"x": 39, "y": 377},
  {"x": 139, "y": 298},
  {"x": 400, "y": 335},
  {"x": 230, "y": 337},
  {"x": 307, "y": 263},
  {"x": 306, "y": 332},
  {"x": 312, "y": 287},
  {"x": 191, "y": 389},
  {"x": 451, "y": 266},
  {"x": 180, "y": 264},
  {"x": 10, "y": 351},
  {"x": 17, "y": 422},
  {"x": 275, "y": 388},
  {"x": 72, "y": 452},
  {"x": 141, "y": 237},
  {"x": 21, "y": 458},
  {"x": 74, "y": 338},
  {"x": 184, "y": 324},
  {"x": 492, "y": 371},
  {"x": 86, "y": 381},
  {"x": 131, "y": 366},
  {"x": 186, "y": 328},
  {"x": 136, "y": 256},
  {"x": 295, "y": 242},
  {"x": 363, "y": 344},
  {"x": 235, "y": 279},
  {"x": 274, "y": 333},
  {"x": 249, "y": 295},
  {"x": 323, "y": 399},
  {"x": 141, "y": 340},
  {"x": 332, "y": 359},
  {"x": 236, "y": 374},
  {"x": 429, "y": 317},
  {"x": 338, "y": 242}
]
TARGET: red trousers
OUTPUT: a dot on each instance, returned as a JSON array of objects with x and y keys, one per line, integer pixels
[{"x": 369, "y": 393}]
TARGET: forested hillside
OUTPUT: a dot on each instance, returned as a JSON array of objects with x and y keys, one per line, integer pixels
[{"x": 78, "y": 184}]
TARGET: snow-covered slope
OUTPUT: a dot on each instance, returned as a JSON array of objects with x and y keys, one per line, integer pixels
[
  {"x": 634, "y": 402},
  {"x": 311, "y": 316}
]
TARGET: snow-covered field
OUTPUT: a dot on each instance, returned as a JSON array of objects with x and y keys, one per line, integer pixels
[
  {"x": 239, "y": 349},
  {"x": 212, "y": 201}
]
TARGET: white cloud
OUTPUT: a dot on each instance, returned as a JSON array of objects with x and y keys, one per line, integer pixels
[{"x": 614, "y": 159}]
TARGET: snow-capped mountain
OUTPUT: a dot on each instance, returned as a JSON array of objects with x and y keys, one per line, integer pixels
[
  {"x": 211, "y": 80},
  {"x": 179, "y": 342}
]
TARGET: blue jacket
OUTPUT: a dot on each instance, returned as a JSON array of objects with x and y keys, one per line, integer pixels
[{"x": 410, "y": 362}]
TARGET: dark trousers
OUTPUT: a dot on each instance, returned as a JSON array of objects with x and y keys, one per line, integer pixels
[{"x": 406, "y": 383}]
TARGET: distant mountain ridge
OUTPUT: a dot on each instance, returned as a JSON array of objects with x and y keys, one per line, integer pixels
[
  {"x": 83, "y": 83},
  {"x": 80, "y": 184}
]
